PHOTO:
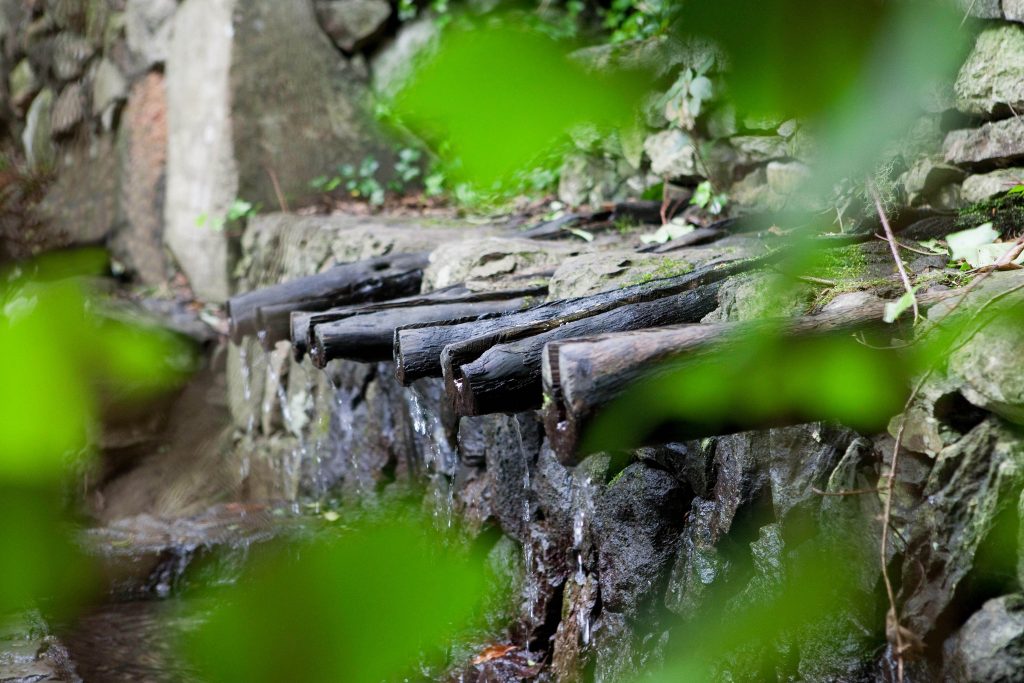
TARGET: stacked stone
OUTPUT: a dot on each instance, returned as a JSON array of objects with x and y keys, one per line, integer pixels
[{"x": 156, "y": 115}]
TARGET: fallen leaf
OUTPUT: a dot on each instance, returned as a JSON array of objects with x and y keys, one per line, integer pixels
[
  {"x": 966, "y": 243},
  {"x": 492, "y": 652}
]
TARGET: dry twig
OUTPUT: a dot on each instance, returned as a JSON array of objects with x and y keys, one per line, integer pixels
[{"x": 891, "y": 239}]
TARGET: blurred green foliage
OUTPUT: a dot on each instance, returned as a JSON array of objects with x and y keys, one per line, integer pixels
[
  {"x": 758, "y": 377},
  {"x": 497, "y": 97},
  {"x": 382, "y": 599},
  {"x": 64, "y": 362}
]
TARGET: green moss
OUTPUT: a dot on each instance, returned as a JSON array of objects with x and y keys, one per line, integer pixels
[
  {"x": 666, "y": 269},
  {"x": 843, "y": 265},
  {"x": 1006, "y": 214},
  {"x": 626, "y": 226}
]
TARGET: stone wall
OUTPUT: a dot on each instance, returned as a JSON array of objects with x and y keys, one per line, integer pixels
[{"x": 155, "y": 115}]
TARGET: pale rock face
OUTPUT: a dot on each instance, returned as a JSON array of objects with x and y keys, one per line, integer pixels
[
  {"x": 672, "y": 154},
  {"x": 148, "y": 26},
  {"x": 999, "y": 141},
  {"x": 982, "y": 186},
  {"x": 202, "y": 178},
  {"x": 352, "y": 23},
  {"x": 992, "y": 79},
  {"x": 39, "y": 149}
]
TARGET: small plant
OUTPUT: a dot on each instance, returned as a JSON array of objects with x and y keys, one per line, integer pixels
[
  {"x": 706, "y": 198},
  {"x": 239, "y": 210}
]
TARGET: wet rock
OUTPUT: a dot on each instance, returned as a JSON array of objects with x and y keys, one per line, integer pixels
[
  {"x": 979, "y": 187},
  {"x": 971, "y": 483},
  {"x": 673, "y": 155},
  {"x": 621, "y": 654},
  {"x": 512, "y": 446},
  {"x": 607, "y": 270},
  {"x": 637, "y": 522},
  {"x": 793, "y": 480},
  {"x": 575, "y": 631},
  {"x": 351, "y": 24},
  {"x": 998, "y": 142},
  {"x": 990, "y": 646},
  {"x": 36, "y": 138},
  {"x": 698, "y": 565},
  {"x": 148, "y": 26},
  {"x": 992, "y": 79}
]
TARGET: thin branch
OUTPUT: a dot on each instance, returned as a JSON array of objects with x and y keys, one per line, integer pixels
[
  {"x": 891, "y": 239},
  {"x": 908, "y": 247},
  {"x": 282, "y": 202}
]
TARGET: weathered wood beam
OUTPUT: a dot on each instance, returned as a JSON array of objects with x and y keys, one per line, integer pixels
[
  {"x": 386, "y": 277},
  {"x": 482, "y": 378},
  {"x": 368, "y": 336},
  {"x": 583, "y": 375},
  {"x": 418, "y": 348}
]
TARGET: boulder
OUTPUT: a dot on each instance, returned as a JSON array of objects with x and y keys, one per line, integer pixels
[
  {"x": 927, "y": 176},
  {"x": 971, "y": 483},
  {"x": 1013, "y": 10},
  {"x": 991, "y": 81},
  {"x": 673, "y": 154},
  {"x": 148, "y": 26},
  {"x": 273, "y": 104},
  {"x": 998, "y": 142},
  {"x": 990, "y": 646},
  {"x": 638, "y": 524},
  {"x": 351, "y": 24},
  {"x": 982, "y": 186}
]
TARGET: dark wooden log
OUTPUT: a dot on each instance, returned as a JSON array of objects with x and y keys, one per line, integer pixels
[
  {"x": 369, "y": 336},
  {"x": 375, "y": 279},
  {"x": 583, "y": 375},
  {"x": 418, "y": 348},
  {"x": 506, "y": 377}
]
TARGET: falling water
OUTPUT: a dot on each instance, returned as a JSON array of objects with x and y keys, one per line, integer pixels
[
  {"x": 439, "y": 459},
  {"x": 528, "y": 556},
  {"x": 250, "y": 425}
]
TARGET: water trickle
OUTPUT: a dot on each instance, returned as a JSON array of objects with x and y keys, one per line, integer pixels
[
  {"x": 439, "y": 458},
  {"x": 250, "y": 425},
  {"x": 579, "y": 520},
  {"x": 528, "y": 555}
]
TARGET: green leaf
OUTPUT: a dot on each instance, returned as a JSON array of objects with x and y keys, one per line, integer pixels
[
  {"x": 669, "y": 231},
  {"x": 894, "y": 309},
  {"x": 582, "y": 234},
  {"x": 965, "y": 244}
]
